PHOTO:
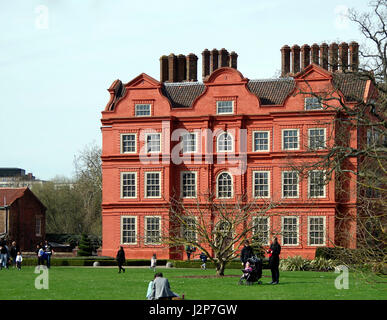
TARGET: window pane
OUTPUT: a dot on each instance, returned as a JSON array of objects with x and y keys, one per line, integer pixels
[
  {"x": 224, "y": 107},
  {"x": 153, "y": 184},
  {"x": 261, "y": 229},
  {"x": 225, "y": 142},
  {"x": 290, "y": 184},
  {"x": 316, "y": 184},
  {"x": 224, "y": 185},
  {"x": 128, "y": 143},
  {"x": 312, "y": 103},
  {"x": 316, "y": 230},
  {"x": 152, "y": 230},
  {"x": 129, "y": 230},
  {"x": 189, "y": 142},
  {"x": 261, "y": 184},
  {"x": 189, "y": 184},
  {"x": 290, "y": 231},
  {"x": 142, "y": 110},
  {"x": 129, "y": 185},
  {"x": 189, "y": 229},
  {"x": 290, "y": 139},
  {"x": 153, "y": 142},
  {"x": 317, "y": 138},
  {"x": 261, "y": 141}
]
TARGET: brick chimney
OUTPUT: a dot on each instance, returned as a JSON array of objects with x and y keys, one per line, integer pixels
[
  {"x": 305, "y": 56},
  {"x": 354, "y": 56},
  {"x": 192, "y": 67},
  {"x": 164, "y": 76},
  {"x": 295, "y": 59},
  {"x": 333, "y": 57},
  {"x": 343, "y": 55},
  {"x": 181, "y": 68},
  {"x": 223, "y": 58},
  {"x": 315, "y": 53},
  {"x": 205, "y": 63},
  {"x": 285, "y": 60},
  {"x": 233, "y": 60},
  {"x": 324, "y": 56},
  {"x": 214, "y": 60},
  {"x": 172, "y": 68}
]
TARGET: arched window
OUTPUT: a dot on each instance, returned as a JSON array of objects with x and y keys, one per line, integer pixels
[
  {"x": 224, "y": 185},
  {"x": 225, "y": 142}
]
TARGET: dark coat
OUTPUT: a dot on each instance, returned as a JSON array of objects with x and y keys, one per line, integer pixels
[
  {"x": 274, "y": 258},
  {"x": 14, "y": 250},
  {"x": 246, "y": 253},
  {"x": 120, "y": 256}
]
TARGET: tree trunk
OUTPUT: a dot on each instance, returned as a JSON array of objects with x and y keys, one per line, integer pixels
[{"x": 220, "y": 266}]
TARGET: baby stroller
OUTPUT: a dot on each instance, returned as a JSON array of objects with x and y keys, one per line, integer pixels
[{"x": 252, "y": 275}]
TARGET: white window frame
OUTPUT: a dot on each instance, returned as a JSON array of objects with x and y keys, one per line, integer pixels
[
  {"x": 183, "y": 228},
  {"x": 309, "y": 185},
  {"x": 122, "y": 186},
  {"x": 325, "y": 138},
  {"x": 268, "y": 227},
  {"x": 268, "y": 140},
  {"x": 217, "y": 185},
  {"x": 298, "y": 231},
  {"x": 146, "y": 142},
  {"x": 282, "y": 185},
  {"x": 268, "y": 183},
  {"x": 305, "y": 103},
  {"x": 135, "y": 230},
  {"x": 232, "y": 142},
  {"x": 196, "y": 142},
  {"x": 122, "y": 143},
  {"x": 146, "y": 185},
  {"x": 182, "y": 186},
  {"x": 324, "y": 231},
  {"x": 217, "y": 107},
  {"x": 141, "y": 104},
  {"x": 283, "y": 139},
  {"x": 145, "y": 230}
]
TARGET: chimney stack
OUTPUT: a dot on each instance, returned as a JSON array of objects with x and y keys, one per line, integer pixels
[
  {"x": 181, "y": 67},
  {"x": 233, "y": 60},
  {"x": 315, "y": 53},
  {"x": 214, "y": 60},
  {"x": 164, "y": 68},
  {"x": 295, "y": 59},
  {"x": 172, "y": 68},
  {"x": 192, "y": 67},
  {"x": 305, "y": 56},
  {"x": 324, "y": 56},
  {"x": 343, "y": 53},
  {"x": 205, "y": 63},
  {"x": 285, "y": 60},
  {"x": 333, "y": 57},
  {"x": 354, "y": 56},
  {"x": 223, "y": 58}
]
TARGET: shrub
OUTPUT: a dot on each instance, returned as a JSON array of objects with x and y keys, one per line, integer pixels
[
  {"x": 85, "y": 246},
  {"x": 322, "y": 264},
  {"x": 295, "y": 263}
]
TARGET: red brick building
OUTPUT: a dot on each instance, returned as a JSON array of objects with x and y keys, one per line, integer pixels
[
  {"x": 22, "y": 217},
  {"x": 268, "y": 125}
]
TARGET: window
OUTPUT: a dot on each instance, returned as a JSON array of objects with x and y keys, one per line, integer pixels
[
  {"x": 260, "y": 141},
  {"x": 152, "y": 230},
  {"x": 225, "y": 143},
  {"x": 290, "y": 139},
  {"x": 152, "y": 185},
  {"x": 261, "y": 230},
  {"x": 128, "y": 184},
  {"x": 128, "y": 230},
  {"x": 316, "y": 231},
  {"x": 372, "y": 137},
  {"x": 317, "y": 138},
  {"x": 289, "y": 184},
  {"x": 224, "y": 185},
  {"x": 261, "y": 184},
  {"x": 188, "y": 184},
  {"x": 142, "y": 110},
  {"x": 224, "y": 107},
  {"x": 316, "y": 184},
  {"x": 189, "y": 228},
  {"x": 290, "y": 230},
  {"x": 189, "y": 143},
  {"x": 312, "y": 103},
  {"x": 128, "y": 143},
  {"x": 38, "y": 226},
  {"x": 153, "y": 144}
]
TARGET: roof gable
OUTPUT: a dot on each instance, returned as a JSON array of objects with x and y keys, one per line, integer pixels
[
  {"x": 9, "y": 195},
  {"x": 313, "y": 72}
]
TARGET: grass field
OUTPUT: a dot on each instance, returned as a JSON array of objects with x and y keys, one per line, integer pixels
[{"x": 74, "y": 283}]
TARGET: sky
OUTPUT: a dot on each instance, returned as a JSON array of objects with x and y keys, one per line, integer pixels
[{"x": 59, "y": 57}]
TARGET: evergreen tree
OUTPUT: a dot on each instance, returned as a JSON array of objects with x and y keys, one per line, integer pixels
[{"x": 85, "y": 247}]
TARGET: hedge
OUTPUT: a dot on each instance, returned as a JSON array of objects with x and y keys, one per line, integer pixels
[
  {"x": 197, "y": 263},
  {"x": 89, "y": 261}
]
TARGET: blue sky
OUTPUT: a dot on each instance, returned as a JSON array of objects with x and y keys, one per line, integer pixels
[{"x": 58, "y": 57}]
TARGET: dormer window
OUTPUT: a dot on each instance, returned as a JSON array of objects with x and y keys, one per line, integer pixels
[
  {"x": 225, "y": 107},
  {"x": 312, "y": 103},
  {"x": 142, "y": 110}
]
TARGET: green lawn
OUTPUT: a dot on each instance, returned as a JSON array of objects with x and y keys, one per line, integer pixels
[{"x": 105, "y": 283}]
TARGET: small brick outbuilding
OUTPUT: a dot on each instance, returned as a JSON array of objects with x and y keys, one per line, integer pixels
[{"x": 22, "y": 217}]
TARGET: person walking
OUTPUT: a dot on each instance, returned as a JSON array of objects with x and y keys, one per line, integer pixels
[
  {"x": 40, "y": 252},
  {"x": 13, "y": 252},
  {"x": 203, "y": 257},
  {"x": 246, "y": 253},
  {"x": 18, "y": 260},
  {"x": 3, "y": 256},
  {"x": 188, "y": 251},
  {"x": 274, "y": 252},
  {"x": 120, "y": 259},
  {"x": 153, "y": 262}
]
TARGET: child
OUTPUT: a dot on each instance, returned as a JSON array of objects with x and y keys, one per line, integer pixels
[
  {"x": 153, "y": 262},
  {"x": 203, "y": 257},
  {"x": 247, "y": 269},
  {"x": 19, "y": 260}
]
